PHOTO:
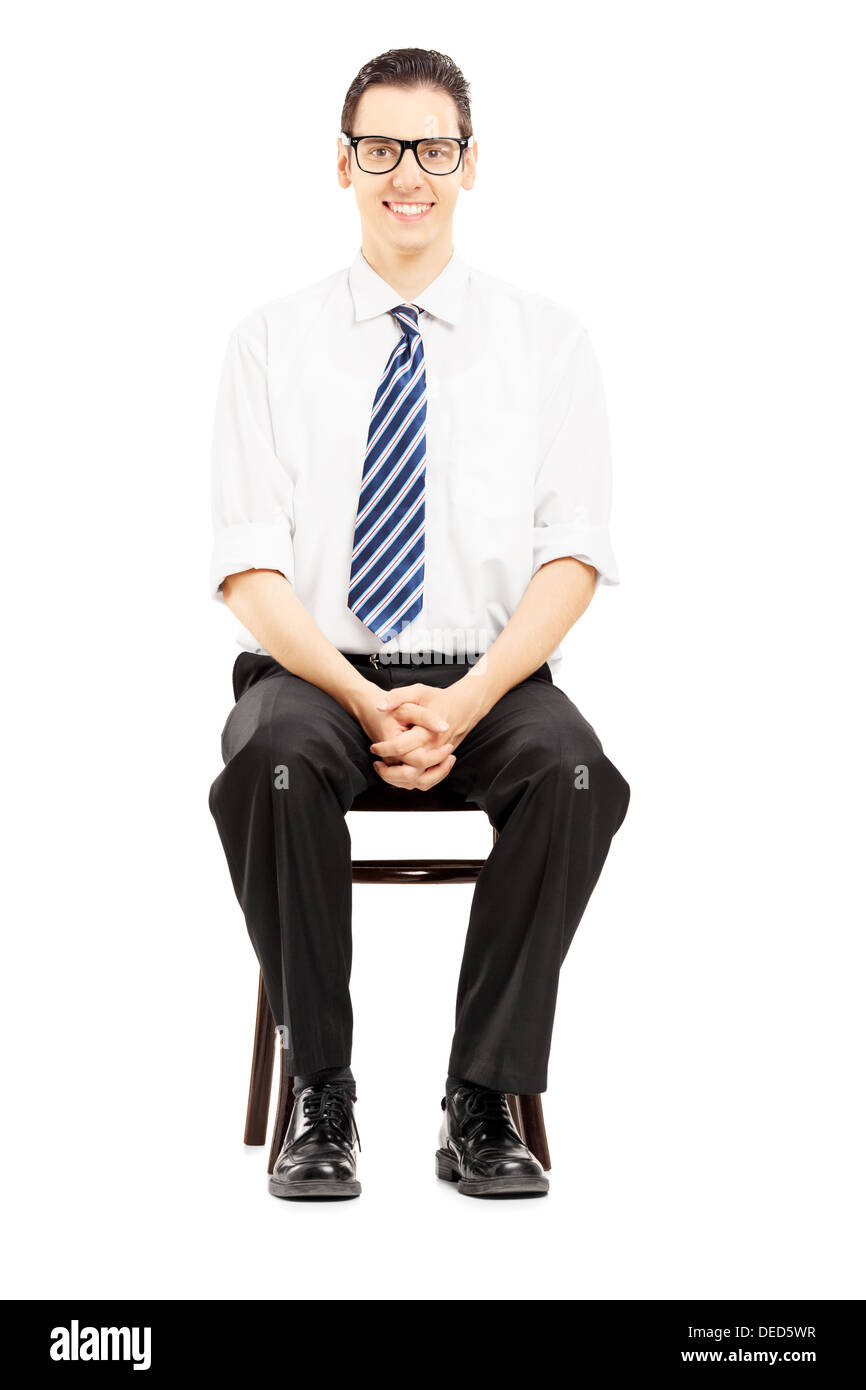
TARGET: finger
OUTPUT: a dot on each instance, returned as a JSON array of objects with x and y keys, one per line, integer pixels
[
  {"x": 409, "y": 778},
  {"x": 414, "y": 713},
  {"x": 400, "y": 744},
  {"x": 428, "y": 756},
  {"x": 423, "y": 758},
  {"x": 411, "y": 698},
  {"x": 389, "y": 699},
  {"x": 435, "y": 774},
  {"x": 398, "y": 776}
]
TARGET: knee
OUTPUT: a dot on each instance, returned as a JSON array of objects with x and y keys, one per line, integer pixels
[
  {"x": 619, "y": 795},
  {"x": 593, "y": 771},
  {"x": 276, "y": 746},
  {"x": 294, "y": 745},
  {"x": 570, "y": 751},
  {"x": 565, "y": 749}
]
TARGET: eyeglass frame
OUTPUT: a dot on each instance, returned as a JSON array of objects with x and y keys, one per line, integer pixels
[{"x": 464, "y": 141}]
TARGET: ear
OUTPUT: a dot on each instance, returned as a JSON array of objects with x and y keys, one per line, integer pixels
[
  {"x": 469, "y": 169},
  {"x": 343, "y": 164}
]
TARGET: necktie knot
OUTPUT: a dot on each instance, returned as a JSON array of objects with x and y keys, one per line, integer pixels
[{"x": 407, "y": 316}]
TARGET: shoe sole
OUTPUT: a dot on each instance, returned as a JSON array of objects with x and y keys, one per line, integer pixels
[
  {"x": 448, "y": 1171},
  {"x": 335, "y": 1190}
]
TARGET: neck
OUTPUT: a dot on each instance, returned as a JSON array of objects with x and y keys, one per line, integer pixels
[{"x": 408, "y": 272}]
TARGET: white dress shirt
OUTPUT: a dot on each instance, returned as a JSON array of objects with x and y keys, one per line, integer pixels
[{"x": 518, "y": 456}]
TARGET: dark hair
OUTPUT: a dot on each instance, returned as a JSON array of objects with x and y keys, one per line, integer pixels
[{"x": 410, "y": 67}]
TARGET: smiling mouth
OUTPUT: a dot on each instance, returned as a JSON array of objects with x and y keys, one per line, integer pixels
[{"x": 407, "y": 212}]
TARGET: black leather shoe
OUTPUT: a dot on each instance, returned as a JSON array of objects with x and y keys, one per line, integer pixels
[
  {"x": 480, "y": 1149},
  {"x": 318, "y": 1156}
]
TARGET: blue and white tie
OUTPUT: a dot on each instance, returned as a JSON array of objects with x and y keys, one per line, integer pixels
[{"x": 387, "y": 575}]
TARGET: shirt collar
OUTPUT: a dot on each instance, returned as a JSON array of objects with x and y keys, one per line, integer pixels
[{"x": 444, "y": 297}]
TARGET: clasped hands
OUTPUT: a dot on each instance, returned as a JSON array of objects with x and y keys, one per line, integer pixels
[{"x": 416, "y": 729}]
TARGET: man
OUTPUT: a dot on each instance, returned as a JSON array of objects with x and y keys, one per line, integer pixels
[{"x": 411, "y": 460}]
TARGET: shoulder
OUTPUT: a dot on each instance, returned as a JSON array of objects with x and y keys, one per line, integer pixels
[
  {"x": 272, "y": 327},
  {"x": 546, "y": 320}
]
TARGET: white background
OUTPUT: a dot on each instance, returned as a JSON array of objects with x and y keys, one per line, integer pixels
[{"x": 688, "y": 178}]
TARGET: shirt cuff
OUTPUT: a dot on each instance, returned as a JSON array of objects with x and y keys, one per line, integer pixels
[
  {"x": 250, "y": 546},
  {"x": 588, "y": 543}
]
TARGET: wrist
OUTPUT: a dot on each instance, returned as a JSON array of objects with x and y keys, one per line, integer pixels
[
  {"x": 357, "y": 695},
  {"x": 476, "y": 694}
]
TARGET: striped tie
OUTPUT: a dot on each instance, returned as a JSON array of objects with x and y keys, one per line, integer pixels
[{"x": 387, "y": 575}]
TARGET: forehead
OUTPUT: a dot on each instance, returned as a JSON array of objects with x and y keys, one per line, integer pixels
[{"x": 409, "y": 113}]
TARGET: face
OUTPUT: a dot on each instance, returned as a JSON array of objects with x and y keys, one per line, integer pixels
[{"x": 407, "y": 209}]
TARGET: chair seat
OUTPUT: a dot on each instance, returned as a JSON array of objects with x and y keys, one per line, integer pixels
[{"x": 384, "y": 797}]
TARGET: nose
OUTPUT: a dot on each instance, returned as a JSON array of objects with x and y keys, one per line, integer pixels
[{"x": 408, "y": 173}]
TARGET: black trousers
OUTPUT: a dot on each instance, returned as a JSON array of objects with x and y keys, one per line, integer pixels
[{"x": 295, "y": 761}]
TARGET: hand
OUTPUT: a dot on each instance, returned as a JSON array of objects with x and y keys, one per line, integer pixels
[
  {"x": 414, "y": 752},
  {"x": 430, "y": 752}
]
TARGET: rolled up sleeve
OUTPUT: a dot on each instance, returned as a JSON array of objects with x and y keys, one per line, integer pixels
[
  {"x": 252, "y": 492},
  {"x": 573, "y": 478}
]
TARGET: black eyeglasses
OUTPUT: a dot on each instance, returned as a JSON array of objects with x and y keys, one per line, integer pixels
[{"x": 379, "y": 154}]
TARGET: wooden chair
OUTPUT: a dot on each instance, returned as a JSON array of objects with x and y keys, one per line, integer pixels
[{"x": 526, "y": 1111}]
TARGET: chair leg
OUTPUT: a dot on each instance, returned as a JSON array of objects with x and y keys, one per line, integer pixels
[
  {"x": 262, "y": 1071},
  {"x": 285, "y": 1106},
  {"x": 514, "y": 1107},
  {"x": 532, "y": 1128}
]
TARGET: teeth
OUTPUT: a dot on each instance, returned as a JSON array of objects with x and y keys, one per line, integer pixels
[{"x": 409, "y": 209}]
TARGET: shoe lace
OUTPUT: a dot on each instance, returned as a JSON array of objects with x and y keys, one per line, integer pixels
[
  {"x": 482, "y": 1105},
  {"x": 331, "y": 1106}
]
